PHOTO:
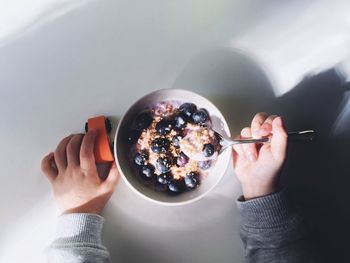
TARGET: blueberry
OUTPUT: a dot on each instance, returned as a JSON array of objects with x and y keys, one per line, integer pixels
[
  {"x": 147, "y": 172},
  {"x": 160, "y": 187},
  {"x": 180, "y": 120},
  {"x": 133, "y": 136},
  {"x": 164, "y": 126},
  {"x": 160, "y": 145},
  {"x": 201, "y": 116},
  {"x": 208, "y": 149},
  {"x": 176, "y": 186},
  {"x": 204, "y": 164},
  {"x": 192, "y": 180},
  {"x": 182, "y": 159},
  {"x": 143, "y": 120},
  {"x": 176, "y": 140},
  {"x": 163, "y": 164},
  {"x": 164, "y": 178},
  {"x": 140, "y": 158},
  {"x": 188, "y": 108}
]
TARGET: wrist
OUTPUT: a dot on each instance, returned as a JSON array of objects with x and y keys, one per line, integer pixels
[
  {"x": 86, "y": 206},
  {"x": 251, "y": 191},
  {"x": 83, "y": 210}
]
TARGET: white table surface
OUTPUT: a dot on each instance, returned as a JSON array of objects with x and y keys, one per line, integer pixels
[{"x": 63, "y": 63}]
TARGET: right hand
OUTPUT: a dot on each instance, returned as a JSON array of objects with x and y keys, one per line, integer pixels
[
  {"x": 257, "y": 165},
  {"x": 72, "y": 171}
]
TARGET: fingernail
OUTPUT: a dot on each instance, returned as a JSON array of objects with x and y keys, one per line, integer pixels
[{"x": 279, "y": 121}]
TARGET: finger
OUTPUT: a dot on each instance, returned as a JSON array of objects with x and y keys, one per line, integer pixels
[
  {"x": 235, "y": 157},
  {"x": 60, "y": 153},
  {"x": 238, "y": 147},
  {"x": 237, "y": 151},
  {"x": 249, "y": 148},
  {"x": 257, "y": 121},
  {"x": 73, "y": 150},
  {"x": 279, "y": 139},
  {"x": 87, "y": 158},
  {"x": 112, "y": 178},
  {"x": 48, "y": 168},
  {"x": 266, "y": 127}
]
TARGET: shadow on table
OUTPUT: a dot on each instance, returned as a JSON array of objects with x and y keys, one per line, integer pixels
[
  {"x": 232, "y": 81},
  {"x": 317, "y": 174}
]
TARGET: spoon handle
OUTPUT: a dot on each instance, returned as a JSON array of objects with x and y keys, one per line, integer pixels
[
  {"x": 300, "y": 136},
  {"x": 242, "y": 141}
]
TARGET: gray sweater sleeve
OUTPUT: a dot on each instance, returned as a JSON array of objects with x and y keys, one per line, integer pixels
[
  {"x": 274, "y": 231},
  {"x": 78, "y": 240}
]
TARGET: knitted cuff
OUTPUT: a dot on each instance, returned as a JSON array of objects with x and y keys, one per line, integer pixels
[
  {"x": 80, "y": 228},
  {"x": 269, "y": 211}
]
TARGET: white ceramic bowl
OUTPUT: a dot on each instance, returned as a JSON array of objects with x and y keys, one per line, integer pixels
[{"x": 121, "y": 147}]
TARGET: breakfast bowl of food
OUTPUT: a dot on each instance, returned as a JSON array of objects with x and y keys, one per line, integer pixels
[{"x": 166, "y": 149}]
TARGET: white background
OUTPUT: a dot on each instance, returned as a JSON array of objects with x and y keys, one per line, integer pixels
[{"x": 64, "y": 61}]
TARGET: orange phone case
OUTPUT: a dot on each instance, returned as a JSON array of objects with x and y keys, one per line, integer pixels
[{"x": 102, "y": 149}]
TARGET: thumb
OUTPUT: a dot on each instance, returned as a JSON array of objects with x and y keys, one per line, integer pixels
[
  {"x": 278, "y": 139},
  {"x": 112, "y": 178}
]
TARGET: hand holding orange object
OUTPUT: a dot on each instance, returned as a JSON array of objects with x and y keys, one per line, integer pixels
[{"x": 72, "y": 171}]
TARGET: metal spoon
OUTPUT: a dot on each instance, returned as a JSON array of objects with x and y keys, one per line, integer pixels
[
  {"x": 225, "y": 142},
  {"x": 299, "y": 136}
]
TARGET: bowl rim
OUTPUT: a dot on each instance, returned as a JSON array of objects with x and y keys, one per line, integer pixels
[{"x": 125, "y": 179}]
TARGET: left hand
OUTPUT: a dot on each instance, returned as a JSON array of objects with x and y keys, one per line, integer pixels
[{"x": 72, "y": 171}]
